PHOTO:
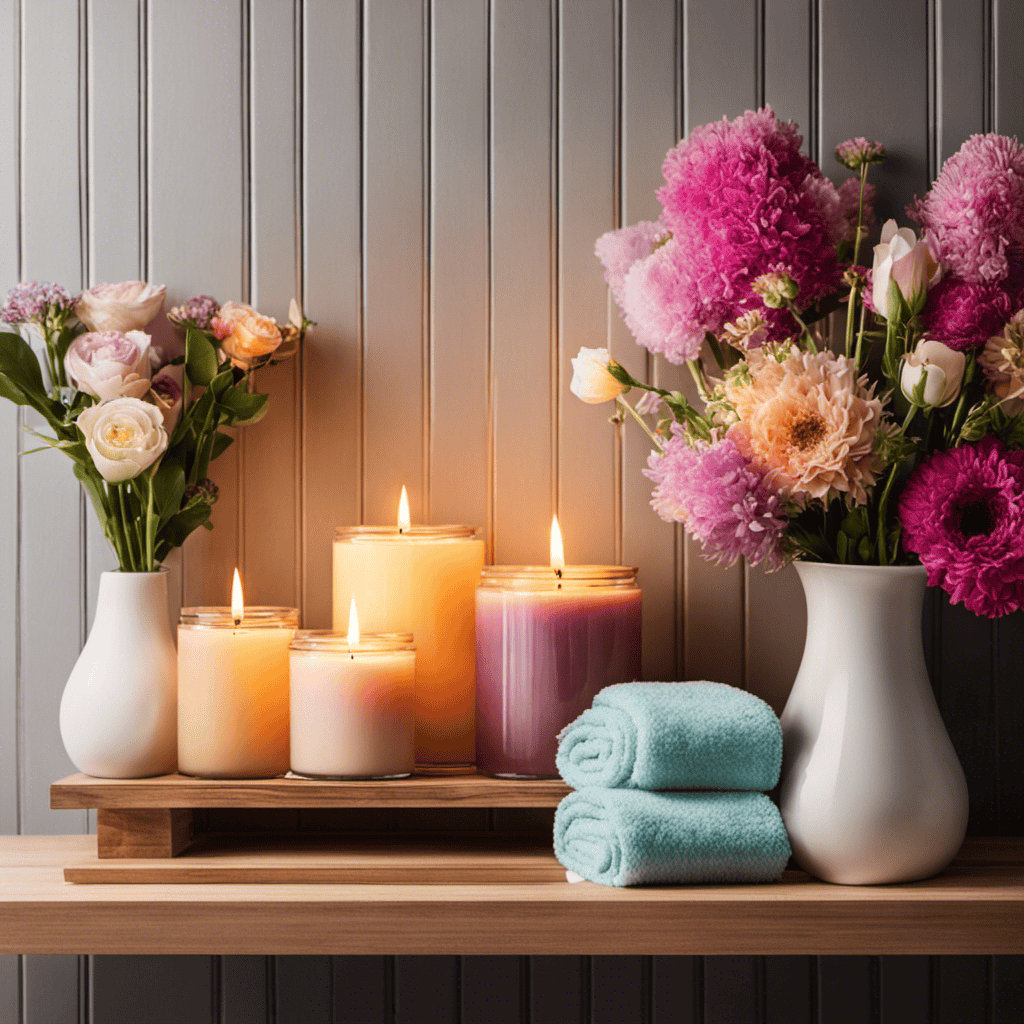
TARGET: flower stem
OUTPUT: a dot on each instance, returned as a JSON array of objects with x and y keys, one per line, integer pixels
[
  {"x": 804, "y": 329},
  {"x": 860, "y": 213},
  {"x": 860, "y": 337},
  {"x": 127, "y": 528},
  {"x": 150, "y": 529},
  {"x": 622, "y": 403},
  {"x": 883, "y": 504},
  {"x": 697, "y": 372},
  {"x": 851, "y": 304}
]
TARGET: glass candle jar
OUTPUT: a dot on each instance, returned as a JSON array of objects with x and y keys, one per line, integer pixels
[
  {"x": 352, "y": 705},
  {"x": 547, "y": 641},
  {"x": 233, "y": 692},
  {"x": 420, "y": 579}
]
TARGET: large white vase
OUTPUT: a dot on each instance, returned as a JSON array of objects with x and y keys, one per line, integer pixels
[
  {"x": 119, "y": 711},
  {"x": 872, "y": 791}
]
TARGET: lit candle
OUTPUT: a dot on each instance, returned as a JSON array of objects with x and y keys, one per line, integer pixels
[
  {"x": 352, "y": 710},
  {"x": 421, "y": 580},
  {"x": 233, "y": 689},
  {"x": 548, "y": 638}
]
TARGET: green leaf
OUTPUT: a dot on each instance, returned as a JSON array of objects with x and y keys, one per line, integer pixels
[
  {"x": 245, "y": 408},
  {"x": 64, "y": 339},
  {"x": 11, "y": 391},
  {"x": 168, "y": 487},
  {"x": 93, "y": 485},
  {"x": 200, "y": 357},
  {"x": 19, "y": 363},
  {"x": 842, "y": 546},
  {"x": 221, "y": 443},
  {"x": 180, "y": 525},
  {"x": 224, "y": 380}
]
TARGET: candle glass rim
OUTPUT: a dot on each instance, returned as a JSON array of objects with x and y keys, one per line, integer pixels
[
  {"x": 355, "y": 534},
  {"x": 329, "y": 641},
  {"x": 512, "y": 577},
  {"x": 255, "y": 617}
]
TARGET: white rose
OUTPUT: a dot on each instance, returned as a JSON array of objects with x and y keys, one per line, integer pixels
[
  {"x": 900, "y": 257},
  {"x": 127, "y": 306},
  {"x": 940, "y": 367},
  {"x": 124, "y": 437},
  {"x": 110, "y": 365},
  {"x": 166, "y": 394},
  {"x": 591, "y": 380}
]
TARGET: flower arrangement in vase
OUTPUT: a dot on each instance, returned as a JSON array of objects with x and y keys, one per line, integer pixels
[
  {"x": 873, "y": 453},
  {"x": 140, "y": 426}
]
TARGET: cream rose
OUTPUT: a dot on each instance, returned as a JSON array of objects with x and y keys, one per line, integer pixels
[
  {"x": 127, "y": 306},
  {"x": 108, "y": 364},
  {"x": 900, "y": 257},
  {"x": 246, "y": 334},
  {"x": 591, "y": 380},
  {"x": 940, "y": 367},
  {"x": 166, "y": 394},
  {"x": 124, "y": 437}
]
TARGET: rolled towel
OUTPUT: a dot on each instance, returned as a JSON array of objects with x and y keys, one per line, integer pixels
[
  {"x": 673, "y": 736},
  {"x": 629, "y": 837}
]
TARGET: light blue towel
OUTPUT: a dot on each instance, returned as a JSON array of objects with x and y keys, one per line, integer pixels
[
  {"x": 629, "y": 837},
  {"x": 673, "y": 736}
]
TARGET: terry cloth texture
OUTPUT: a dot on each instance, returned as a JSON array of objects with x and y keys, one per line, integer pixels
[
  {"x": 655, "y": 736},
  {"x": 629, "y": 837}
]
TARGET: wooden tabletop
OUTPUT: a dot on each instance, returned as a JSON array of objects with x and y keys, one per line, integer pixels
[
  {"x": 977, "y": 907},
  {"x": 82, "y": 791}
]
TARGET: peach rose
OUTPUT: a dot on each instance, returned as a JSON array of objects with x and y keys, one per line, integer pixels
[{"x": 246, "y": 334}]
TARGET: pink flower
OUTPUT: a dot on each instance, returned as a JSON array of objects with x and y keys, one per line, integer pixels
[
  {"x": 963, "y": 515},
  {"x": 739, "y": 199},
  {"x": 854, "y": 153},
  {"x": 721, "y": 498},
  {"x": 849, "y": 198},
  {"x": 964, "y": 315},
  {"x": 974, "y": 213},
  {"x": 36, "y": 302},
  {"x": 619, "y": 250},
  {"x": 199, "y": 310},
  {"x": 126, "y": 306},
  {"x": 109, "y": 365}
]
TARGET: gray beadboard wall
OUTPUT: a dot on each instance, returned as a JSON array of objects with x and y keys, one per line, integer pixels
[{"x": 429, "y": 176}]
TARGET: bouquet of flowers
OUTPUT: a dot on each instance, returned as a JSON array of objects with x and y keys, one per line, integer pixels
[
  {"x": 140, "y": 427},
  {"x": 899, "y": 439}
]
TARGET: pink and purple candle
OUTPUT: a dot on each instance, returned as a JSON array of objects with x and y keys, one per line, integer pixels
[{"x": 548, "y": 638}]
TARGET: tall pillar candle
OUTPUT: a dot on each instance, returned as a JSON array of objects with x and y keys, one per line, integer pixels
[
  {"x": 422, "y": 580},
  {"x": 547, "y": 640},
  {"x": 233, "y": 692}
]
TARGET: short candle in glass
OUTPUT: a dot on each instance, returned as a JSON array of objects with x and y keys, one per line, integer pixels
[
  {"x": 420, "y": 579},
  {"x": 353, "y": 713},
  {"x": 233, "y": 691},
  {"x": 548, "y": 638}
]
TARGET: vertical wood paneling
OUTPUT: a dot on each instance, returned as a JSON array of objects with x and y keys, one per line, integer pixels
[
  {"x": 787, "y": 61},
  {"x": 559, "y": 988},
  {"x": 904, "y": 990},
  {"x": 426, "y": 989},
  {"x": 267, "y": 449},
  {"x": 195, "y": 207},
  {"x": 492, "y": 989},
  {"x": 1008, "y": 990},
  {"x": 394, "y": 260},
  {"x": 1007, "y": 31},
  {"x": 362, "y": 989},
  {"x": 302, "y": 990},
  {"x": 586, "y": 209},
  {"x": 332, "y": 266},
  {"x": 787, "y": 990},
  {"x": 459, "y": 256},
  {"x": 960, "y": 73},
  {"x": 731, "y": 990},
  {"x": 152, "y": 989},
  {"x": 521, "y": 278},
  {"x": 619, "y": 989},
  {"x": 1009, "y": 725},
  {"x": 674, "y": 990},
  {"x": 845, "y": 990},
  {"x": 243, "y": 993},
  {"x": 648, "y": 67},
  {"x": 964, "y": 990}
]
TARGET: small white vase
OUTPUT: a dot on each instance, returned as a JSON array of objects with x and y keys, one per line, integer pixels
[
  {"x": 119, "y": 711},
  {"x": 872, "y": 791}
]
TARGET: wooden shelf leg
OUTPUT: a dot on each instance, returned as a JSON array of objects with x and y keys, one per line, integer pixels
[{"x": 143, "y": 832}]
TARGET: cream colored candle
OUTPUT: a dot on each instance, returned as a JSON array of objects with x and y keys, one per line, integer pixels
[
  {"x": 421, "y": 579},
  {"x": 233, "y": 692},
  {"x": 352, "y": 711}
]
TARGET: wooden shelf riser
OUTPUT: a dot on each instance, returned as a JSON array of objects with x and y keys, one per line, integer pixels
[{"x": 143, "y": 832}]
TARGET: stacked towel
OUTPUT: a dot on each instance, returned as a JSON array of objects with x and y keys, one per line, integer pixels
[{"x": 639, "y": 738}]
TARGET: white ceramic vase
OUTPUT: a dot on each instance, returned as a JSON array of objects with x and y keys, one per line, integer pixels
[
  {"x": 872, "y": 791},
  {"x": 119, "y": 711}
]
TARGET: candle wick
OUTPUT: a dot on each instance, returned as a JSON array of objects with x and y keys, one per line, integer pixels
[
  {"x": 238, "y": 622},
  {"x": 558, "y": 573}
]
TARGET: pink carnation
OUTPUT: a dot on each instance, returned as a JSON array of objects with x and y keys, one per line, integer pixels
[
  {"x": 964, "y": 315},
  {"x": 721, "y": 498},
  {"x": 974, "y": 213},
  {"x": 963, "y": 514},
  {"x": 619, "y": 250}
]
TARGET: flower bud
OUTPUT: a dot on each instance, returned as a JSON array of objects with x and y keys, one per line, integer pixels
[
  {"x": 900, "y": 257},
  {"x": 591, "y": 380},
  {"x": 932, "y": 374}
]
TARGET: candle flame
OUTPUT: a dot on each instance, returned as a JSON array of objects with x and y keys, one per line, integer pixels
[
  {"x": 237, "y": 604},
  {"x": 404, "y": 521},
  {"x": 353, "y": 624},
  {"x": 557, "y": 550}
]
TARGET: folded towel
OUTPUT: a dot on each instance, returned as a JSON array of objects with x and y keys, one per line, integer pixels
[
  {"x": 629, "y": 837},
  {"x": 673, "y": 736}
]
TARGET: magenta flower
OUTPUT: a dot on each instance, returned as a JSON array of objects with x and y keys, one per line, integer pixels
[
  {"x": 36, "y": 302},
  {"x": 974, "y": 213},
  {"x": 717, "y": 493},
  {"x": 854, "y": 153},
  {"x": 964, "y": 315},
  {"x": 619, "y": 250},
  {"x": 963, "y": 515},
  {"x": 739, "y": 198}
]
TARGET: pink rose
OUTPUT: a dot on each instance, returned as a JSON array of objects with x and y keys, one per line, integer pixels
[
  {"x": 127, "y": 306},
  {"x": 109, "y": 365}
]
